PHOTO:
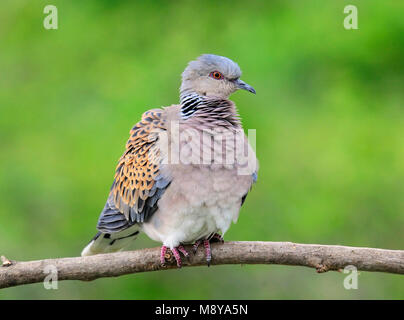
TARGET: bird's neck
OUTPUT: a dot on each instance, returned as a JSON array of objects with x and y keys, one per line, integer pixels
[
  {"x": 190, "y": 101},
  {"x": 205, "y": 109}
]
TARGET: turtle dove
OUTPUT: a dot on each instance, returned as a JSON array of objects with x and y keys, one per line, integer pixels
[{"x": 186, "y": 170}]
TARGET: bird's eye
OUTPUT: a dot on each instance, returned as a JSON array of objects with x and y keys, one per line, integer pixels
[{"x": 216, "y": 75}]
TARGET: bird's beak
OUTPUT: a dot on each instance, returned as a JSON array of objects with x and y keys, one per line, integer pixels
[{"x": 244, "y": 86}]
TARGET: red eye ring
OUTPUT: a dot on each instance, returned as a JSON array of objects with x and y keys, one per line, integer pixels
[{"x": 216, "y": 75}]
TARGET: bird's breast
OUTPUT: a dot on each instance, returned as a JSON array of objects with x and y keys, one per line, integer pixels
[{"x": 198, "y": 202}]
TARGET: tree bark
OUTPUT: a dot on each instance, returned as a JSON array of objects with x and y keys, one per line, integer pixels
[{"x": 321, "y": 257}]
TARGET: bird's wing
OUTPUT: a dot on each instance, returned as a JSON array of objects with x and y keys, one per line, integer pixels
[
  {"x": 254, "y": 177},
  {"x": 138, "y": 183},
  {"x": 253, "y": 166}
]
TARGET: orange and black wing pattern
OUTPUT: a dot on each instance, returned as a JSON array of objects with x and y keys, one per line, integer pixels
[{"x": 138, "y": 182}]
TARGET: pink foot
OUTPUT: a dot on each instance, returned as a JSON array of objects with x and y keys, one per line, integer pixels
[
  {"x": 183, "y": 251},
  {"x": 196, "y": 245},
  {"x": 176, "y": 252},
  {"x": 217, "y": 238},
  {"x": 163, "y": 255},
  {"x": 206, "y": 243}
]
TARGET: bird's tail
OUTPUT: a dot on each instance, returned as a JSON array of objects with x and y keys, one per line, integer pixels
[{"x": 110, "y": 242}]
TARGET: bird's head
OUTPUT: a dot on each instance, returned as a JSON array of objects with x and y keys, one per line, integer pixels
[{"x": 212, "y": 75}]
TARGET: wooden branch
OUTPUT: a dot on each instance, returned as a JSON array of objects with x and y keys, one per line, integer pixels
[{"x": 321, "y": 257}]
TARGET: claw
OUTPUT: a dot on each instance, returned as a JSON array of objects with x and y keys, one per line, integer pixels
[
  {"x": 183, "y": 251},
  {"x": 177, "y": 257},
  {"x": 206, "y": 244},
  {"x": 196, "y": 245},
  {"x": 176, "y": 253},
  {"x": 217, "y": 238},
  {"x": 163, "y": 255}
]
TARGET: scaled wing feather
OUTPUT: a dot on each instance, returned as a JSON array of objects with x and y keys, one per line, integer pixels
[{"x": 138, "y": 183}]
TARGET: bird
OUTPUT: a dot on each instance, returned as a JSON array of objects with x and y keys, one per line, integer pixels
[{"x": 179, "y": 181}]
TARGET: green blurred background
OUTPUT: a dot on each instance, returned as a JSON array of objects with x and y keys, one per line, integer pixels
[{"x": 328, "y": 113}]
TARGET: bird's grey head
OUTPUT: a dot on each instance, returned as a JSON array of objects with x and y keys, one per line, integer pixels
[{"x": 212, "y": 75}]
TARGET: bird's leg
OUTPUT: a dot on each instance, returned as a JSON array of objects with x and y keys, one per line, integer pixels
[
  {"x": 214, "y": 238},
  {"x": 217, "y": 238},
  {"x": 163, "y": 255},
  {"x": 206, "y": 244},
  {"x": 196, "y": 245},
  {"x": 183, "y": 251},
  {"x": 176, "y": 252},
  {"x": 177, "y": 256}
]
